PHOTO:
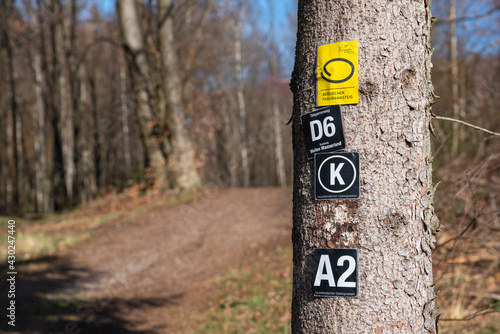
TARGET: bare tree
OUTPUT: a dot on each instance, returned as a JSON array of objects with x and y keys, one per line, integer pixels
[
  {"x": 273, "y": 70},
  {"x": 393, "y": 222},
  {"x": 39, "y": 115},
  {"x": 64, "y": 57},
  {"x": 181, "y": 160},
  {"x": 124, "y": 111},
  {"x": 141, "y": 77},
  {"x": 14, "y": 146},
  {"x": 236, "y": 26},
  {"x": 454, "y": 76}
]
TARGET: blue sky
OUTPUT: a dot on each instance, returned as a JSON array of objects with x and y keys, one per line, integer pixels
[
  {"x": 480, "y": 35},
  {"x": 276, "y": 12}
]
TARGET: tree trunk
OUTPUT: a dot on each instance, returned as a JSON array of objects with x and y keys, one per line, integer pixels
[
  {"x": 58, "y": 104},
  {"x": 392, "y": 222},
  {"x": 13, "y": 120},
  {"x": 69, "y": 97},
  {"x": 124, "y": 114},
  {"x": 241, "y": 106},
  {"x": 181, "y": 161},
  {"x": 278, "y": 140},
  {"x": 66, "y": 110},
  {"x": 141, "y": 75},
  {"x": 230, "y": 144},
  {"x": 454, "y": 77},
  {"x": 39, "y": 114},
  {"x": 48, "y": 95},
  {"x": 87, "y": 141}
]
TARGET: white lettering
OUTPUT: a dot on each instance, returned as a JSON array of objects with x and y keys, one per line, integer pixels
[
  {"x": 324, "y": 261},
  {"x": 349, "y": 271},
  {"x": 329, "y": 127},
  {"x": 335, "y": 174},
  {"x": 313, "y": 131}
]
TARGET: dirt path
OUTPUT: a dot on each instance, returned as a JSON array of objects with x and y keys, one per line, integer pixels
[{"x": 145, "y": 276}]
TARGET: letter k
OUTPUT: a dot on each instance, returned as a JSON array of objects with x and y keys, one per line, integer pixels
[{"x": 335, "y": 174}]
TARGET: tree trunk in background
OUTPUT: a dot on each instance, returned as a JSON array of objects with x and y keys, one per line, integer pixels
[
  {"x": 454, "y": 77},
  {"x": 392, "y": 223},
  {"x": 47, "y": 86},
  {"x": 66, "y": 127},
  {"x": 57, "y": 104},
  {"x": 241, "y": 106},
  {"x": 4, "y": 169},
  {"x": 13, "y": 119},
  {"x": 275, "y": 76},
  {"x": 87, "y": 141},
  {"x": 181, "y": 160},
  {"x": 230, "y": 141},
  {"x": 278, "y": 139},
  {"x": 141, "y": 74},
  {"x": 39, "y": 115},
  {"x": 124, "y": 114}
]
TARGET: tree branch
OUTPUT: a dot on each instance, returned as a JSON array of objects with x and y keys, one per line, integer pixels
[
  {"x": 460, "y": 235},
  {"x": 468, "y": 18},
  {"x": 471, "y": 316},
  {"x": 466, "y": 124}
]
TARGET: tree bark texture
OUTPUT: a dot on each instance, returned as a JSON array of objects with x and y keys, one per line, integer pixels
[{"x": 393, "y": 222}]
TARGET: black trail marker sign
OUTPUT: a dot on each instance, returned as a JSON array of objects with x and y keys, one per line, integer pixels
[
  {"x": 323, "y": 130},
  {"x": 335, "y": 273},
  {"x": 336, "y": 176}
]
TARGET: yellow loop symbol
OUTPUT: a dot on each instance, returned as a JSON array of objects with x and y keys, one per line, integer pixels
[{"x": 351, "y": 73}]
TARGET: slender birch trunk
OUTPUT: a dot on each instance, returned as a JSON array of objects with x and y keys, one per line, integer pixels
[{"x": 241, "y": 107}]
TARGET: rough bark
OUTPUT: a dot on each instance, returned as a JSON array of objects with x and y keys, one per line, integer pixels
[
  {"x": 181, "y": 161},
  {"x": 393, "y": 221}
]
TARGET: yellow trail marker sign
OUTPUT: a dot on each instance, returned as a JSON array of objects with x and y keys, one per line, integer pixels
[{"x": 337, "y": 74}]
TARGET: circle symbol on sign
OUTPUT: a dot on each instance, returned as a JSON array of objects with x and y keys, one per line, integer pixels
[
  {"x": 335, "y": 175},
  {"x": 328, "y": 73}
]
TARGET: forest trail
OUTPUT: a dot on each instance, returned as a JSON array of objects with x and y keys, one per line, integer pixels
[{"x": 146, "y": 276}]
